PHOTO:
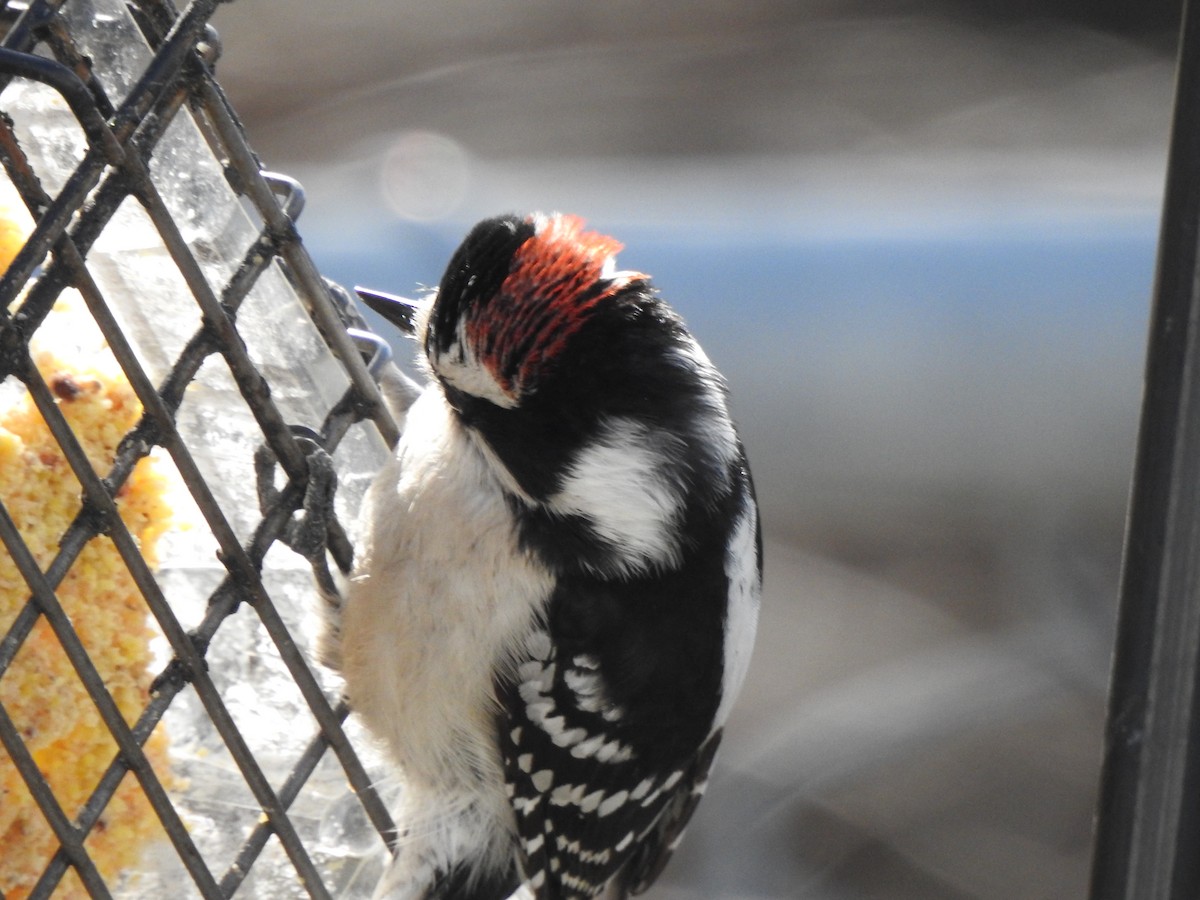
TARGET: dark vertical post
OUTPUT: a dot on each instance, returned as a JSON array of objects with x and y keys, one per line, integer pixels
[{"x": 1148, "y": 825}]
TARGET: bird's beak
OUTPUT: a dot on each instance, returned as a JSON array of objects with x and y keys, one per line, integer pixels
[{"x": 396, "y": 310}]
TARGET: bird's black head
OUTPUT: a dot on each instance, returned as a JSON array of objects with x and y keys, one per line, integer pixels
[
  {"x": 514, "y": 296},
  {"x": 541, "y": 345}
]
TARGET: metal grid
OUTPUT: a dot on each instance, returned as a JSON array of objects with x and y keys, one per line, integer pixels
[{"x": 124, "y": 127}]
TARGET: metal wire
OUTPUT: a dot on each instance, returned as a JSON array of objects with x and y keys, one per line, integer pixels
[{"x": 121, "y": 142}]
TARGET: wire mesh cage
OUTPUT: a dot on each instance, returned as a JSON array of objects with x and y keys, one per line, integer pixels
[{"x": 180, "y": 393}]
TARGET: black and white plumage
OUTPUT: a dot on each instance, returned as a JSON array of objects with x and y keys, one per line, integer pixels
[{"x": 556, "y": 594}]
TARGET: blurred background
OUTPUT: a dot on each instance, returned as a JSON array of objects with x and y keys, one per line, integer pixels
[{"x": 919, "y": 239}]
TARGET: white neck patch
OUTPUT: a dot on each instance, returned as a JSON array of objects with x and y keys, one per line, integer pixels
[{"x": 625, "y": 484}]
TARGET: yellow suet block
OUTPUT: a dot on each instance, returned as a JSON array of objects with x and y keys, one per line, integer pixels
[{"x": 40, "y": 691}]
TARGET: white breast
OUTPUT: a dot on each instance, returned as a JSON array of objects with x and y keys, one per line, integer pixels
[{"x": 441, "y": 591}]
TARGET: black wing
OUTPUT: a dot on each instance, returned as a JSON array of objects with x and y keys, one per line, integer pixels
[
  {"x": 588, "y": 805},
  {"x": 654, "y": 852},
  {"x": 607, "y": 729}
]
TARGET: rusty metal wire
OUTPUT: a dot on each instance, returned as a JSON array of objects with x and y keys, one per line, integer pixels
[{"x": 122, "y": 138}]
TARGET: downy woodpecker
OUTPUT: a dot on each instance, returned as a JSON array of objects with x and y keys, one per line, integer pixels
[{"x": 557, "y": 587}]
